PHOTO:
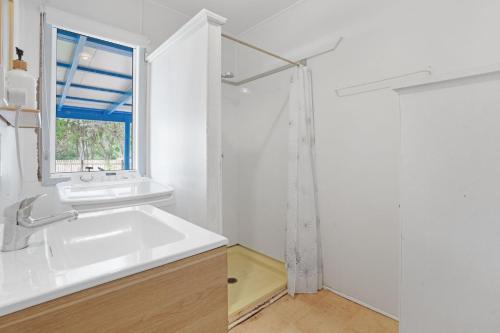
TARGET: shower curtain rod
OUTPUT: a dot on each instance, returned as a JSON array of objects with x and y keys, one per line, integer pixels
[
  {"x": 239, "y": 41},
  {"x": 282, "y": 68}
]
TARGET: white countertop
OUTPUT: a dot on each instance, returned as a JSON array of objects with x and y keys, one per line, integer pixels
[{"x": 99, "y": 247}]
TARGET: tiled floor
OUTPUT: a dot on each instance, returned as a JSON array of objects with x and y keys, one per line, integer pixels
[
  {"x": 317, "y": 313},
  {"x": 259, "y": 278}
]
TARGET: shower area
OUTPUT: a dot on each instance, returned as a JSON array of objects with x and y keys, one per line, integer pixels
[
  {"x": 255, "y": 89},
  {"x": 239, "y": 156}
]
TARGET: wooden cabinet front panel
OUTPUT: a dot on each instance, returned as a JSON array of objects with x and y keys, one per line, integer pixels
[{"x": 189, "y": 295}]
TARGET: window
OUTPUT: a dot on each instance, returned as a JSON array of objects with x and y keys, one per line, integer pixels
[{"x": 94, "y": 111}]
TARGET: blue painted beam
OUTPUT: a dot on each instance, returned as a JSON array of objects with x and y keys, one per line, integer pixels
[
  {"x": 74, "y": 112},
  {"x": 82, "y": 86},
  {"x": 72, "y": 70},
  {"x": 96, "y": 71},
  {"x": 120, "y": 102},
  {"x": 92, "y": 100},
  {"x": 96, "y": 43},
  {"x": 126, "y": 147}
]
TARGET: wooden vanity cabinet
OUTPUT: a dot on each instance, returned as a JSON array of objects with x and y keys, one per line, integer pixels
[{"x": 188, "y": 295}]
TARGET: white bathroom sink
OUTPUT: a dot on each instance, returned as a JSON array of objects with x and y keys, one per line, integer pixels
[
  {"x": 103, "y": 193},
  {"x": 101, "y": 237},
  {"x": 97, "y": 248}
]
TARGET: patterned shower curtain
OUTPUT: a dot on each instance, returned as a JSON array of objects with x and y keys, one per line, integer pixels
[{"x": 303, "y": 243}]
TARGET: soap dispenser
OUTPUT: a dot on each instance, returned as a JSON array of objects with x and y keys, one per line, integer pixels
[{"x": 19, "y": 79}]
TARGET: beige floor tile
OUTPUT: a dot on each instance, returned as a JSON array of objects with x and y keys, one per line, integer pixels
[{"x": 324, "y": 312}]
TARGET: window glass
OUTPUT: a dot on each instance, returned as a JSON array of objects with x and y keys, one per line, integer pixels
[{"x": 94, "y": 96}]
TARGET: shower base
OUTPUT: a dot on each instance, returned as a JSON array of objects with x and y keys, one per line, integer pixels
[{"x": 253, "y": 280}]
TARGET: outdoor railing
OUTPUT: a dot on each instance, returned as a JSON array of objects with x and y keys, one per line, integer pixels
[{"x": 77, "y": 165}]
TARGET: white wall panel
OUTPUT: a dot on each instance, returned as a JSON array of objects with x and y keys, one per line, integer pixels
[
  {"x": 450, "y": 173},
  {"x": 185, "y": 116}
]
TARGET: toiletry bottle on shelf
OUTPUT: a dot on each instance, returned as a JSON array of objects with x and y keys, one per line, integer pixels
[{"x": 20, "y": 79}]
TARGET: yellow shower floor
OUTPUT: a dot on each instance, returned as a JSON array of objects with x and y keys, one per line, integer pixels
[{"x": 259, "y": 278}]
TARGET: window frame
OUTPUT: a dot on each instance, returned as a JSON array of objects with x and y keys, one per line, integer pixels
[
  {"x": 7, "y": 33},
  {"x": 48, "y": 103}
]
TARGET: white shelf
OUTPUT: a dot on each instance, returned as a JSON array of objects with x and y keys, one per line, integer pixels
[{"x": 459, "y": 77}]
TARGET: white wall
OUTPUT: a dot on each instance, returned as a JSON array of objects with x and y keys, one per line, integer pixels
[
  {"x": 10, "y": 183},
  {"x": 10, "y": 189},
  {"x": 147, "y": 17},
  {"x": 230, "y": 163},
  {"x": 178, "y": 125},
  {"x": 449, "y": 206},
  {"x": 358, "y": 136},
  {"x": 9, "y": 180},
  {"x": 185, "y": 120},
  {"x": 263, "y": 136}
]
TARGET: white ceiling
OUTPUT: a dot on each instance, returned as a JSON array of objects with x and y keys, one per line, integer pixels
[{"x": 241, "y": 14}]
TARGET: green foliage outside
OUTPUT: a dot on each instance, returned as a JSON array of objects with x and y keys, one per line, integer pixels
[{"x": 89, "y": 140}]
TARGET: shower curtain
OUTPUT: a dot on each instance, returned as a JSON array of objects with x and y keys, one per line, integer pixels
[{"x": 303, "y": 243}]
